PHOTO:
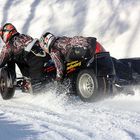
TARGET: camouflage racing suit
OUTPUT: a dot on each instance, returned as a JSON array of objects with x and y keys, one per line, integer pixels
[
  {"x": 14, "y": 52},
  {"x": 69, "y": 48}
]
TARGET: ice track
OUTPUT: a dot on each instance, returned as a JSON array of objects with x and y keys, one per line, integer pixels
[{"x": 51, "y": 117}]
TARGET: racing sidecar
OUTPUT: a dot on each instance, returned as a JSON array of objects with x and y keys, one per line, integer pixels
[{"x": 90, "y": 79}]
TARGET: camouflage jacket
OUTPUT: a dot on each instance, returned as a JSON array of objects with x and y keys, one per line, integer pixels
[
  {"x": 14, "y": 47},
  {"x": 66, "y": 48}
]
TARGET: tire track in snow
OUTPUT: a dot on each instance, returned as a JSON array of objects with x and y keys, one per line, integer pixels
[
  {"x": 50, "y": 121},
  {"x": 77, "y": 120}
]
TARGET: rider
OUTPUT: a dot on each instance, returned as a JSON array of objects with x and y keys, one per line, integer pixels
[
  {"x": 22, "y": 50},
  {"x": 64, "y": 48}
]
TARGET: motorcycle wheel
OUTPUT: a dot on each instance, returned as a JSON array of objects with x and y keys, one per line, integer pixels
[
  {"x": 7, "y": 90},
  {"x": 90, "y": 87}
]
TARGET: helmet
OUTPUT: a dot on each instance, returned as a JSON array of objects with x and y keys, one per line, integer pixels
[
  {"x": 46, "y": 41},
  {"x": 7, "y": 31}
]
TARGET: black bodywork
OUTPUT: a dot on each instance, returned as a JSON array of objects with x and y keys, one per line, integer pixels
[{"x": 117, "y": 72}]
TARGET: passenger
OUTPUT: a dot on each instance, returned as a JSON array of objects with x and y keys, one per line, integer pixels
[{"x": 64, "y": 48}]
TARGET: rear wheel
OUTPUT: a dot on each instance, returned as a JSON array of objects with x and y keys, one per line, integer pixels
[
  {"x": 7, "y": 87},
  {"x": 90, "y": 87}
]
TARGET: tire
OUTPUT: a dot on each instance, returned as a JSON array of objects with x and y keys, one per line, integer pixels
[
  {"x": 90, "y": 87},
  {"x": 7, "y": 87}
]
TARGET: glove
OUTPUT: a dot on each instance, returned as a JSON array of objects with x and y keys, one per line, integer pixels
[{"x": 58, "y": 79}]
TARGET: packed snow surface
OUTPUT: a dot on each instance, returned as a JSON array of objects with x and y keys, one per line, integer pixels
[{"x": 48, "y": 116}]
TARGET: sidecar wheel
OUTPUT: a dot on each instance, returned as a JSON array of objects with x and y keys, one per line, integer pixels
[{"x": 90, "y": 87}]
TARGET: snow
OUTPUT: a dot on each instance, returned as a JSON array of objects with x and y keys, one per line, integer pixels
[{"x": 47, "y": 116}]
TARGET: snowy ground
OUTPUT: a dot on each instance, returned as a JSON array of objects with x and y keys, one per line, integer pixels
[
  {"x": 116, "y": 24},
  {"x": 50, "y": 117}
]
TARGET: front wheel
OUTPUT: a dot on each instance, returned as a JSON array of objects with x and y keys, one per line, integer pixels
[
  {"x": 90, "y": 87},
  {"x": 7, "y": 88}
]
